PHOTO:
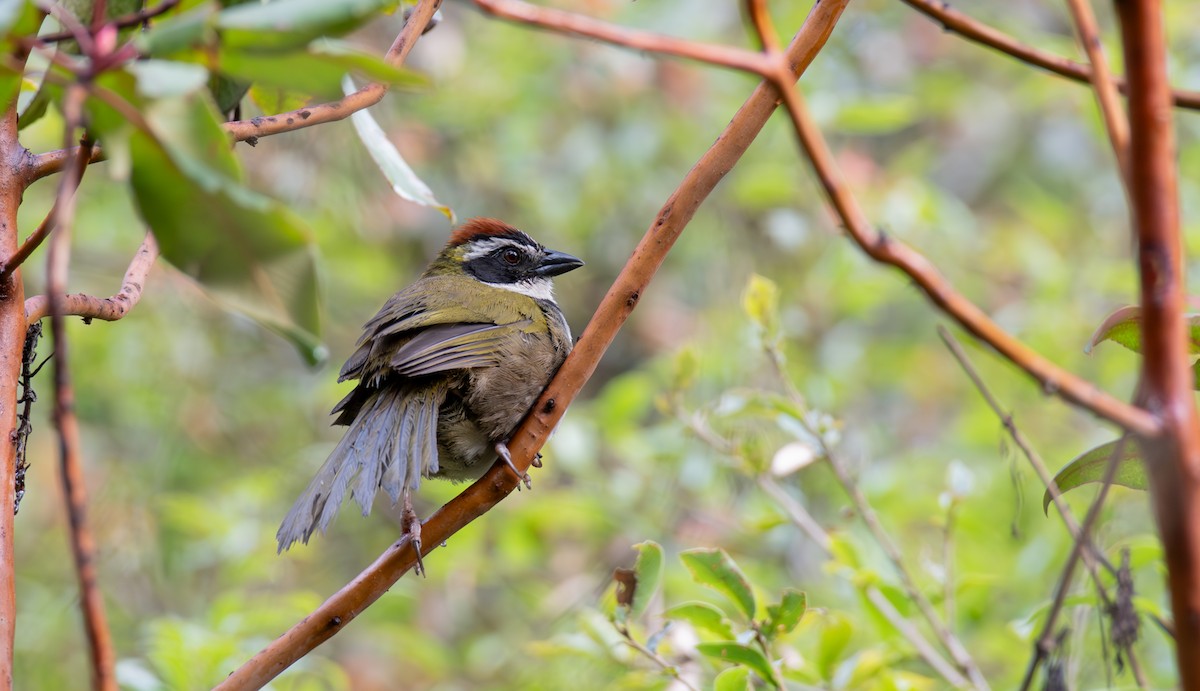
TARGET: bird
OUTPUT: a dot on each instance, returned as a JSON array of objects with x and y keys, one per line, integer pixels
[{"x": 446, "y": 370}]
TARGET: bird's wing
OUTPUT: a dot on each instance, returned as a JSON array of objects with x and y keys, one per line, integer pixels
[
  {"x": 452, "y": 346},
  {"x": 427, "y": 314}
]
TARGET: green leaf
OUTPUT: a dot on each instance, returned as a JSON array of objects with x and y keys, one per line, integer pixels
[
  {"x": 1090, "y": 466},
  {"x": 702, "y": 616},
  {"x": 317, "y": 72},
  {"x": 835, "y": 636},
  {"x": 731, "y": 651},
  {"x": 714, "y": 568},
  {"x": 18, "y": 19},
  {"x": 733, "y": 679},
  {"x": 783, "y": 618},
  {"x": 648, "y": 573},
  {"x": 167, "y": 78},
  {"x": 1124, "y": 326},
  {"x": 402, "y": 178},
  {"x": 250, "y": 252},
  {"x": 185, "y": 31},
  {"x": 290, "y": 23}
]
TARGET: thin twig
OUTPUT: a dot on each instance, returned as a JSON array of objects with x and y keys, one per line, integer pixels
[
  {"x": 670, "y": 669},
  {"x": 1027, "y": 450},
  {"x": 133, "y": 19},
  {"x": 1093, "y": 556},
  {"x": 83, "y": 547},
  {"x": 948, "y": 599},
  {"x": 808, "y": 525},
  {"x": 1046, "y": 640},
  {"x": 862, "y": 506},
  {"x": 1115, "y": 122},
  {"x": 612, "y": 312},
  {"x": 802, "y": 519},
  {"x": 105, "y": 309},
  {"x": 973, "y": 30},
  {"x": 574, "y": 24}
]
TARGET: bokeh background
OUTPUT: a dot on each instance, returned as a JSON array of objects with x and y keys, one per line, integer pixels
[{"x": 200, "y": 428}]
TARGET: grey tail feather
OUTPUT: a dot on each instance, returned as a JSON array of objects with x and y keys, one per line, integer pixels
[{"x": 390, "y": 444}]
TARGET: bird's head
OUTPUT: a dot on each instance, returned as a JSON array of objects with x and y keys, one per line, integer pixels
[{"x": 501, "y": 256}]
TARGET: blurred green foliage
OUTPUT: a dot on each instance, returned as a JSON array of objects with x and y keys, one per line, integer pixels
[{"x": 200, "y": 428}]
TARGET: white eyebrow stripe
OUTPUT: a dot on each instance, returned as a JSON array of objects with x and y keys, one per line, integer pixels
[
  {"x": 480, "y": 248},
  {"x": 536, "y": 288}
]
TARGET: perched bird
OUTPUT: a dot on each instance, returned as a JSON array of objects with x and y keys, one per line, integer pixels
[{"x": 445, "y": 371}]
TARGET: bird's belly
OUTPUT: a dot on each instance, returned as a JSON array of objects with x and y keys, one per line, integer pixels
[{"x": 490, "y": 404}]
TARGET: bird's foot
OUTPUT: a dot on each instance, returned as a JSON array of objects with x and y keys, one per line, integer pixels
[
  {"x": 537, "y": 460},
  {"x": 410, "y": 523},
  {"x": 502, "y": 451}
]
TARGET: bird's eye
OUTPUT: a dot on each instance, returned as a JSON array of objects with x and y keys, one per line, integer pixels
[{"x": 511, "y": 257}]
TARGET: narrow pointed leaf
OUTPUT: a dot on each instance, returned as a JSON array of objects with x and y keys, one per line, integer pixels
[
  {"x": 715, "y": 569},
  {"x": 395, "y": 169},
  {"x": 1089, "y": 467}
]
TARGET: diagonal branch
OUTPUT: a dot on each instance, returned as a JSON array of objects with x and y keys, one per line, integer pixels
[
  {"x": 614, "y": 309},
  {"x": 974, "y": 30},
  {"x": 1115, "y": 122},
  {"x": 574, "y": 24},
  {"x": 105, "y": 309},
  {"x": 83, "y": 547},
  {"x": 886, "y": 250}
]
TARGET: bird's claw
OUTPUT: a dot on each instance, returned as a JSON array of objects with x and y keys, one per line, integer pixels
[
  {"x": 502, "y": 451},
  {"x": 410, "y": 523}
]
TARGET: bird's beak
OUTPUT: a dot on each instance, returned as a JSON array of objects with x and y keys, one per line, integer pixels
[{"x": 554, "y": 263}]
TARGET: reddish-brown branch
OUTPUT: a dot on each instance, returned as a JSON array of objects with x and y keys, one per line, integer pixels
[
  {"x": 83, "y": 547},
  {"x": 242, "y": 130},
  {"x": 973, "y": 30},
  {"x": 887, "y": 250},
  {"x": 1115, "y": 122},
  {"x": 1173, "y": 458},
  {"x": 616, "y": 306},
  {"x": 105, "y": 309},
  {"x": 12, "y": 342},
  {"x": 562, "y": 22}
]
